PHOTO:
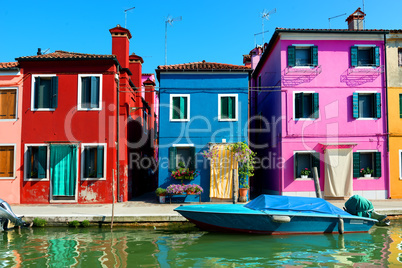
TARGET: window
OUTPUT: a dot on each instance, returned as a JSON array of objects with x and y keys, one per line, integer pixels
[
  {"x": 371, "y": 160},
  {"x": 302, "y": 55},
  {"x": 44, "y": 92},
  {"x": 6, "y": 162},
  {"x": 36, "y": 162},
  {"x": 400, "y": 57},
  {"x": 89, "y": 92},
  {"x": 306, "y": 105},
  {"x": 366, "y": 105},
  {"x": 363, "y": 56},
  {"x": 145, "y": 118},
  {"x": 180, "y": 107},
  {"x": 8, "y": 103},
  {"x": 307, "y": 160},
  {"x": 93, "y": 161},
  {"x": 227, "y": 107},
  {"x": 185, "y": 154}
]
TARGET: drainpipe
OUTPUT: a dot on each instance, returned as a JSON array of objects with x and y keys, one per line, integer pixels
[
  {"x": 117, "y": 137},
  {"x": 387, "y": 112}
]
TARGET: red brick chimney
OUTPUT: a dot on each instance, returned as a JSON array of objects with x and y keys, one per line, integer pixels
[
  {"x": 355, "y": 20},
  {"x": 135, "y": 66},
  {"x": 120, "y": 44}
]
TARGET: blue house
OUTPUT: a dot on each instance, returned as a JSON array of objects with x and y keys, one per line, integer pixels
[{"x": 201, "y": 104}]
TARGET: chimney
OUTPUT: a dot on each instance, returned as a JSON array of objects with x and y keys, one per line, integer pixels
[
  {"x": 120, "y": 44},
  {"x": 39, "y": 52},
  {"x": 247, "y": 60},
  {"x": 135, "y": 66},
  {"x": 355, "y": 20},
  {"x": 255, "y": 54}
]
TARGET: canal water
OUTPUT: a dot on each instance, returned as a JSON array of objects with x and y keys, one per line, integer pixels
[{"x": 189, "y": 247}]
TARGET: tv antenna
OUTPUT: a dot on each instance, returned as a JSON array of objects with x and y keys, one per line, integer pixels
[
  {"x": 265, "y": 15},
  {"x": 329, "y": 19},
  {"x": 125, "y": 16},
  {"x": 169, "y": 20},
  {"x": 255, "y": 41}
]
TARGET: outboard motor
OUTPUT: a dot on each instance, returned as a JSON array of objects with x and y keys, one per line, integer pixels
[
  {"x": 7, "y": 214},
  {"x": 360, "y": 206}
]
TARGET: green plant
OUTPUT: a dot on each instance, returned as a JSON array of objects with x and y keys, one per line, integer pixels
[
  {"x": 74, "y": 224},
  {"x": 160, "y": 192},
  {"x": 305, "y": 171},
  {"x": 85, "y": 223},
  {"x": 367, "y": 171},
  {"x": 39, "y": 222}
]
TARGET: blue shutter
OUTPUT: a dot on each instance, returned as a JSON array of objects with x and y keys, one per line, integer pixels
[
  {"x": 193, "y": 158},
  {"x": 99, "y": 162},
  {"x": 28, "y": 163},
  {"x": 378, "y": 105},
  {"x": 353, "y": 56},
  {"x": 94, "y": 92},
  {"x": 377, "y": 164},
  {"x": 185, "y": 109},
  {"x": 42, "y": 161},
  {"x": 172, "y": 158},
  {"x": 86, "y": 162},
  {"x": 355, "y": 105},
  {"x": 291, "y": 56},
  {"x": 316, "y": 106},
  {"x": 314, "y": 55},
  {"x": 298, "y": 105},
  {"x": 356, "y": 165},
  {"x": 36, "y": 93},
  {"x": 54, "y": 91},
  {"x": 376, "y": 56}
]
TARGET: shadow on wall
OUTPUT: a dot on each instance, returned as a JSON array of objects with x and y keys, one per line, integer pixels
[
  {"x": 292, "y": 77},
  {"x": 355, "y": 76}
]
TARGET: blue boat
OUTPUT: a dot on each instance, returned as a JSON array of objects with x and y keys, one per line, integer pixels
[{"x": 274, "y": 214}]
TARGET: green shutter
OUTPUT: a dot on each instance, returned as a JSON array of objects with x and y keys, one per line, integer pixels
[
  {"x": 296, "y": 159},
  {"x": 172, "y": 158},
  {"x": 316, "y": 106},
  {"x": 54, "y": 92},
  {"x": 356, "y": 165},
  {"x": 316, "y": 162},
  {"x": 28, "y": 163},
  {"x": 193, "y": 158},
  {"x": 353, "y": 56},
  {"x": 376, "y": 56},
  {"x": 355, "y": 105},
  {"x": 94, "y": 92},
  {"x": 224, "y": 108},
  {"x": 86, "y": 162},
  {"x": 182, "y": 108},
  {"x": 377, "y": 105},
  {"x": 42, "y": 161},
  {"x": 185, "y": 109},
  {"x": 377, "y": 164},
  {"x": 99, "y": 162},
  {"x": 230, "y": 108},
  {"x": 176, "y": 108},
  {"x": 36, "y": 93},
  {"x": 400, "y": 105},
  {"x": 299, "y": 105},
  {"x": 314, "y": 55},
  {"x": 291, "y": 56}
]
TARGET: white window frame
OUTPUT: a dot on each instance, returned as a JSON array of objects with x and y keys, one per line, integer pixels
[
  {"x": 15, "y": 159},
  {"x": 303, "y": 46},
  {"x": 294, "y": 164},
  {"x": 93, "y": 145},
  {"x": 185, "y": 146},
  {"x": 368, "y": 151},
  {"x": 47, "y": 161},
  {"x": 171, "y": 105},
  {"x": 294, "y": 106},
  {"x": 236, "y": 108},
  {"x": 366, "y": 93},
  {"x": 16, "y": 103},
  {"x": 365, "y": 46},
  {"x": 33, "y": 93},
  {"x": 79, "y": 105}
]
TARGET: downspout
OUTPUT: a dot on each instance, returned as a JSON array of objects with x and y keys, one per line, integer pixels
[
  {"x": 117, "y": 135},
  {"x": 387, "y": 112}
]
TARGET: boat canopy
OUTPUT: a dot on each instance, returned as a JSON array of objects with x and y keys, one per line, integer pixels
[{"x": 294, "y": 204}]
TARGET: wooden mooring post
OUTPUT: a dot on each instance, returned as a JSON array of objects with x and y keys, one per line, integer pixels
[{"x": 317, "y": 183}]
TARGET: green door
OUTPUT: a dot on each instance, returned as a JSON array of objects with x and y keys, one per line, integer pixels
[{"x": 63, "y": 169}]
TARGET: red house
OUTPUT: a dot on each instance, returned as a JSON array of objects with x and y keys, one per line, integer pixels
[{"x": 75, "y": 133}]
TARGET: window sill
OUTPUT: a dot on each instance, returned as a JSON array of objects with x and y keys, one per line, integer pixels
[
  {"x": 9, "y": 120},
  {"x": 36, "y": 179},
  {"x": 301, "y": 179},
  {"x": 305, "y": 119},
  {"x": 43, "y": 110},
  {"x": 179, "y": 120},
  {"x": 89, "y": 109},
  {"x": 93, "y": 179},
  {"x": 7, "y": 178},
  {"x": 367, "y": 118},
  {"x": 368, "y": 178},
  {"x": 227, "y": 120}
]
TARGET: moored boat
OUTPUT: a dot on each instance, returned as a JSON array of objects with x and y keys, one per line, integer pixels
[{"x": 273, "y": 214}]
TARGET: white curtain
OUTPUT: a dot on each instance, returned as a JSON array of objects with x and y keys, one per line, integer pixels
[{"x": 338, "y": 173}]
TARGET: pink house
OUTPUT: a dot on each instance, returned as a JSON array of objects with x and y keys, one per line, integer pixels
[
  {"x": 10, "y": 131},
  {"x": 319, "y": 100}
]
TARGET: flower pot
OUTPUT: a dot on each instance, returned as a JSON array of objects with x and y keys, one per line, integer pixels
[
  {"x": 190, "y": 192},
  {"x": 243, "y": 191},
  {"x": 367, "y": 175},
  {"x": 162, "y": 199},
  {"x": 304, "y": 176}
]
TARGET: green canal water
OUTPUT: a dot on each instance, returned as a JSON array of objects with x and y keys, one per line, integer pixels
[{"x": 190, "y": 247}]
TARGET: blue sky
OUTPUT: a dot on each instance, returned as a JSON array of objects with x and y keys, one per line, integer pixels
[{"x": 217, "y": 31}]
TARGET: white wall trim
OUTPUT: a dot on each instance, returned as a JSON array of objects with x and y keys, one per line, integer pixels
[
  {"x": 83, "y": 145},
  {"x": 79, "y": 108},
  {"x": 171, "y": 105},
  {"x": 294, "y": 106},
  {"x": 33, "y": 76},
  {"x": 183, "y": 145},
  {"x": 47, "y": 161},
  {"x": 236, "y": 108}
]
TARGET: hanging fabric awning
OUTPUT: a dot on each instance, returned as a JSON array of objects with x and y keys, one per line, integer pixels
[{"x": 341, "y": 145}]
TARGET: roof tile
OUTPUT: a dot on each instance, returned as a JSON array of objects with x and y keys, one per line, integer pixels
[
  {"x": 203, "y": 65},
  {"x": 8, "y": 65},
  {"x": 58, "y": 54}
]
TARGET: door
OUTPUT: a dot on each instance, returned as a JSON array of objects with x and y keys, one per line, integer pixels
[
  {"x": 338, "y": 173},
  {"x": 63, "y": 172}
]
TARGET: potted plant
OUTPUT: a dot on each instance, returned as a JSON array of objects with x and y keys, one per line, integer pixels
[
  {"x": 183, "y": 173},
  {"x": 304, "y": 173},
  {"x": 193, "y": 189},
  {"x": 367, "y": 172},
  {"x": 174, "y": 189},
  {"x": 161, "y": 193}
]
